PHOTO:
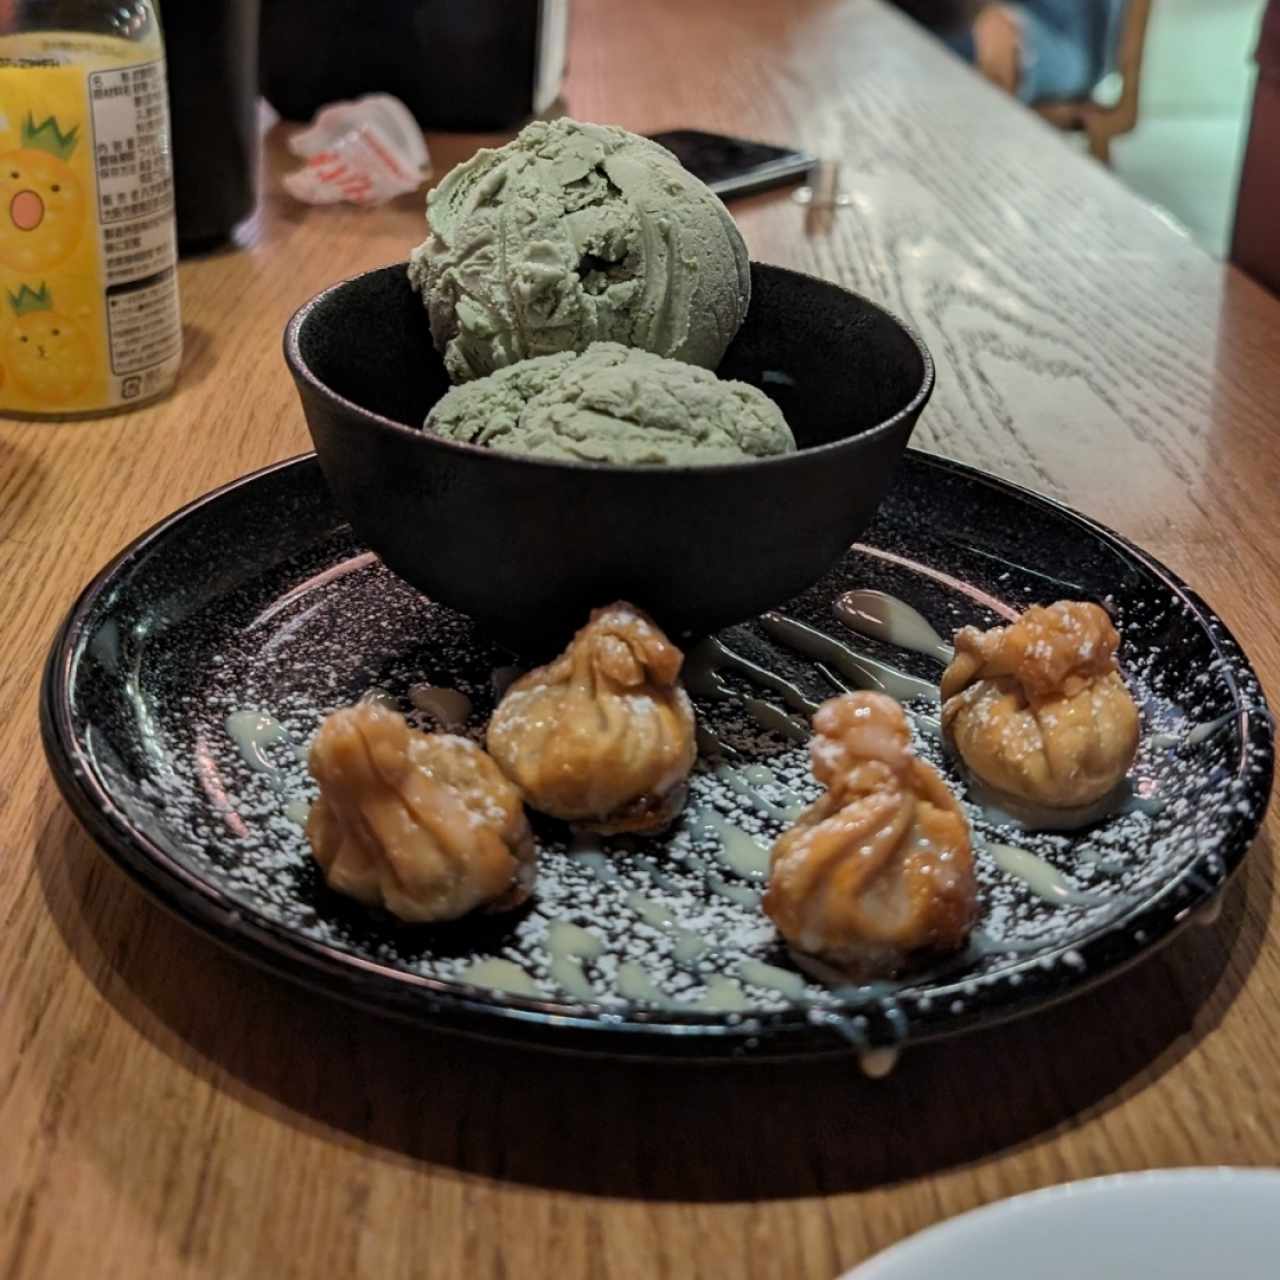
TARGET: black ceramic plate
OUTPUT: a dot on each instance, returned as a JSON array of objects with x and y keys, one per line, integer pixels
[{"x": 256, "y": 599}]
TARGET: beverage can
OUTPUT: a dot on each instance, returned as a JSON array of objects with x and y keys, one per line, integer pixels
[{"x": 89, "y": 314}]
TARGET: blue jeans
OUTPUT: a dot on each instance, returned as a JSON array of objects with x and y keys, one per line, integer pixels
[{"x": 1065, "y": 46}]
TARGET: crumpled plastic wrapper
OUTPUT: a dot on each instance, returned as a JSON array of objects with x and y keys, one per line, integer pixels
[{"x": 363, "y": 152}]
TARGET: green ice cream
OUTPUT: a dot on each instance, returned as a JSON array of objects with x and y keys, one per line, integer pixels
[
  {"x": 576, "y": 233},
  {"x": 613, "y": 404}
]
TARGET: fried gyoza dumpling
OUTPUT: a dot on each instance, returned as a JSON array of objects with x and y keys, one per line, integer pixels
[
  {"x": 1038, "y": 710},
  {"x": 880, "y": 869},
  {"x": 603, "y": 737},
  {"x": 423, "y": 824}
]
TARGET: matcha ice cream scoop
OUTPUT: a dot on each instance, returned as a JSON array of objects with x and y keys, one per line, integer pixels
[
  {"x": 613, "y": 404},
  {"x": 576, "y": 233}
]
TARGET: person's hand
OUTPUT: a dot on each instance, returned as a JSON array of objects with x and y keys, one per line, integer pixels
[{"x": 997, "y": 38}]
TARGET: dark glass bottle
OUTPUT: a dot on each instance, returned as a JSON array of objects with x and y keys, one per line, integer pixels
[
  {"x": 213, "y": 96},
  {"x": 456, "y": 64}
]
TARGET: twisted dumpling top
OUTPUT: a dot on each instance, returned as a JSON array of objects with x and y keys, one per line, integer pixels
[
  {"x": 880, "y": 868},
  {"x": 604, "y": 735},
  {"x": 424, "y": 824},
  {"x": 1038, "y": 709}
]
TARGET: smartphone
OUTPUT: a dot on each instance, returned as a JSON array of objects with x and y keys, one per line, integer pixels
[{"x": 735, "y": 166}]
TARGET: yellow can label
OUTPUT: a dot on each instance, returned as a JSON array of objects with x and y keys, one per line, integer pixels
[{"x": 89, "y": 315}]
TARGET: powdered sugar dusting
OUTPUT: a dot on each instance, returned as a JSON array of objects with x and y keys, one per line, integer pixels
[{"x": 678, "y": 923}]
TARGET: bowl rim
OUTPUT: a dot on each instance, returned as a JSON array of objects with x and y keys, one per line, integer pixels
[{"x": 302, "y": 374}]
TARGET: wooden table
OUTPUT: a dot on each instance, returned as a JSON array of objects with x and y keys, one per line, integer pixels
[{"x": 167, "y": 1111}]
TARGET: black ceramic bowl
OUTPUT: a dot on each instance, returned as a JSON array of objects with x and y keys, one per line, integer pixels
[{"x": 527, "y": 547}]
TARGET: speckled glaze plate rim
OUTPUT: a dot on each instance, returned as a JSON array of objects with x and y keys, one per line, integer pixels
[{"x": 1040, "y": 980}]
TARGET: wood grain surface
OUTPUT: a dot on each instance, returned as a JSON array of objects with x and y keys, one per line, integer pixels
[{"x": 167, "y": 1111}]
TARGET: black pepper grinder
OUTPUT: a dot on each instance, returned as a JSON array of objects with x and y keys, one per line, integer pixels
[{"x": 212, "y": 48}]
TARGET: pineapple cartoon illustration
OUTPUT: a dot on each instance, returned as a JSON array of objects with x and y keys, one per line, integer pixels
[
  {"x": 42, "y": 204},
  {"x": 49, "y": 355}
]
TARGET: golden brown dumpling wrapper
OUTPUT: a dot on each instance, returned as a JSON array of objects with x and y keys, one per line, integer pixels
[
  {"x": 603, "y": 737},
  {"x": 880, "y": 869},
  {"x": 1038, "y": 709},
  {"x": 424, "y": 824}
]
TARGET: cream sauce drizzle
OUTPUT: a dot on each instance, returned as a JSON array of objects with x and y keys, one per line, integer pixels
[
  {"x": 983, "y": 944},
  {"x": 448, "y": 706},
  {"x": 743, "y": 895},
  {"x": 702, "y": 677},
  {"x": 863, "y": 672},
  {"x": 767, "y": 716},
  {"x": 875, "y": 1063},
  {"x": 1002, "y": 810},
  {"x": 705, "y": 664},
  {"x": 1194, "y": 736},
  {"x": 1203, "y": 732},
  {"x": 635, "y": 984},
  {"x": 252, "y": 732},
  {"x": 710, "y": 657},
  {"x": 1109, "y": 866},
  {"x": 885, "y": 617},
  {"x": 500, "y": 975},
  {"x": 657, "y": 914},
  {"x": 723, "y": 995},
  {"x": 745, "y": 781},
  {"x": 586, "y": 850},
  {"x": 927, "y": 724},
  {"x": 1135, "y": 802},
  {"x": 757, "y": 973},
  {"x": 896, "y": 1018},
  {"x": 880, "y": 989},
  {"x": 297, "y": 811},
  {"x": 657, "y": 875},
  {"x": 688, "y": 945},
  {"x": 736, "y": 849},
  {"x": 599, "y": 864},
  {"x": 1044, "y": 880},
  {"x": 570, "y": 947}
]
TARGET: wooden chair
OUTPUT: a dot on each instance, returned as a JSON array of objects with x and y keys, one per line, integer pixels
[{"x": 1103, "y": 121}]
